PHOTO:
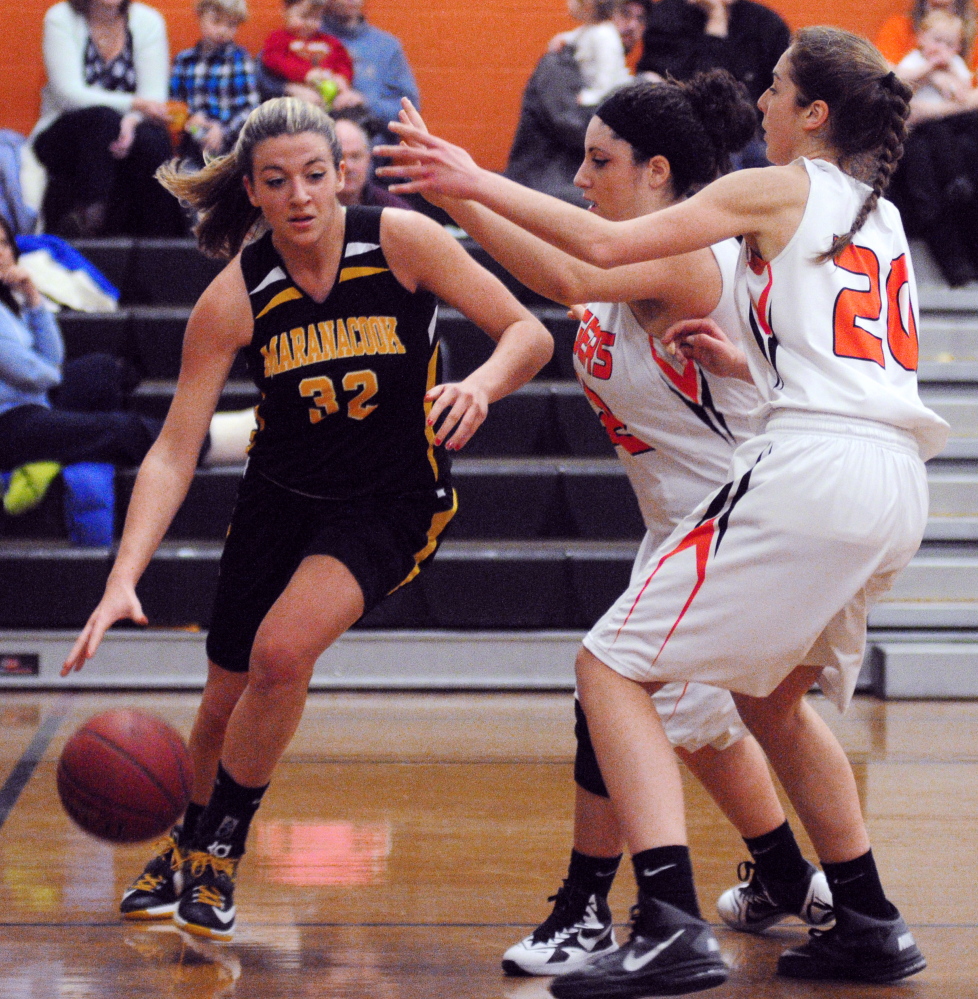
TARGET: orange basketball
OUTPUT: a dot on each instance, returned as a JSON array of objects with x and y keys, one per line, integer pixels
[{"x": 124, "y": 776}]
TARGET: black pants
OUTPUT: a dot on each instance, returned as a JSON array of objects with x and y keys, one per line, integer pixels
[
  {"x": 82, "y": 172},
  {"x": 87, "y": 423}
]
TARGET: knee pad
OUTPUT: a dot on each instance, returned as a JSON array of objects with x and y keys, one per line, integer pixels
[{"x": 587, "y": 773}]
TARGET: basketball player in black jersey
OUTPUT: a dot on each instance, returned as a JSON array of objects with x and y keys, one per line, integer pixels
[{"x": 347, "y": 488}]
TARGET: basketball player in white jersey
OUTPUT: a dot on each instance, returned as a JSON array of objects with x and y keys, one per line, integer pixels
[
  {"x": 765, "y": 588},
  {"x": 675, "y": 429}
]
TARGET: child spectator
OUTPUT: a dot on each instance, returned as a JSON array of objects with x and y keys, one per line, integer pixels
[
  {"x": 935, "y": 70},
  {"x": 598, "y": 49},
  {"x": 306, "y": 57},
  {"x": 936, "y": 183},
  {"x": 216, "y": 80}
]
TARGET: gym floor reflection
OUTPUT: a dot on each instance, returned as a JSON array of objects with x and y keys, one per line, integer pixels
[{"x": 408, "y": 839}]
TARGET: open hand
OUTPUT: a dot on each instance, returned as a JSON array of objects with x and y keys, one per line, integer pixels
[
  {"x": 118, "y": 602},
  {"x": 430, "y": 164}
]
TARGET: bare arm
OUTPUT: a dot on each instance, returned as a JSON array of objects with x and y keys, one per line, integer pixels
[
  {"x": 751, "y": 203},
  {"x": 689, "y": 285},
  {"x": 559, "y": 276},
  {"x": 422, "y": 254},
  {"x": 219, "y": 325}
]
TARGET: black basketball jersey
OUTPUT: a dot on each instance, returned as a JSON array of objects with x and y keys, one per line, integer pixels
[{"x": 343, "y": 382}]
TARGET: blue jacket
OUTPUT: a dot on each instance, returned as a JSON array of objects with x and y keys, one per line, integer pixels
[
  {"x": 380, "y": 69},
  {"x": 31, "y": 354}
]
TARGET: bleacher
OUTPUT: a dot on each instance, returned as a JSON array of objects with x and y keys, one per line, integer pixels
[{"x": 542, "y": 544}]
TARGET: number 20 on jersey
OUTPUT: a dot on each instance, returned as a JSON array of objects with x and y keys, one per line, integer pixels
[{"x": 853, "y": 340}]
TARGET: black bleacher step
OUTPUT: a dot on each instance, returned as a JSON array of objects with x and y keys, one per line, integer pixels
[
  {"x": 175, "y": 272},
  {"x": 465, "y": 346},
  {"x": 507, "y": 499},
  {"x": 150, "y": 336},
  {"x": 470, "y": 585},
  {"x": 153, "y": 396},
  {"x": 152, "y": 271}
]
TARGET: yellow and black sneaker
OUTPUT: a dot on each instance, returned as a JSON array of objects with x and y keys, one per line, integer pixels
[
  {"x": 206, "y": 907},
  {"x": 154, "y": 894}
]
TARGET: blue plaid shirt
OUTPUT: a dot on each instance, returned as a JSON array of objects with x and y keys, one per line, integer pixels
[{"x": 220, "y": 84}]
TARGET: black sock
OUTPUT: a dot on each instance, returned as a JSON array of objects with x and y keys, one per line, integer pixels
[
  {"x": 666, "y": 873},
  {"x": 592, "y": 875},
  {"x": 777, "y": 857},
  {"x": 856, "y": 885},
  {"x": 189, "y": 824},
  {"x": 222, "y": 827}
]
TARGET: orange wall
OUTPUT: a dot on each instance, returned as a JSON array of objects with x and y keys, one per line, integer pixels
[{"x": 471, "y": 57}]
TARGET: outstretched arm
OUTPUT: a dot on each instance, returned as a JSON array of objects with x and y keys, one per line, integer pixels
[
  {"x": 219, "y": 325},
  {"x": 731, "y": 206},
  {"x": 422, "y": 254},
  {"x": 559, "y": 276}
]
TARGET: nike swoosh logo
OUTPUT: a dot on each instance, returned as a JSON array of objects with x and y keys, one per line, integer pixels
[
  {"x": 658, "y": 870},
  {"x": 226, "y": 917},
  {"x": 632, "y": 963},
  {"x": 849, "y": 881}
]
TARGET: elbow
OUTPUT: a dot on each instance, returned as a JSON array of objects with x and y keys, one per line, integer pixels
[
  {"x": 605, "y": 253},
  {"x": 543, "y": 346}
]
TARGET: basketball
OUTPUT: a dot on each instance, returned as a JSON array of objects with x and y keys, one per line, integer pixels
[{"x": 124, "y": 776}]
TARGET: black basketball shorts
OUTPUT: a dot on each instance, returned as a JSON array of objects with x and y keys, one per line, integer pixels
[{"x": 383, "y": 540}]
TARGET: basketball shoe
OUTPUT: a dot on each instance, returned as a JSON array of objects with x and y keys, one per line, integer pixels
[
  {"x": 858, "y": 948},
  {"x": 669, "y": 952},
  {"x": 577, "y": 931},
  {"x": 206, "y": 907},
  {"x": 755, "y": 905},
  {"x": 154, "y": 894}
]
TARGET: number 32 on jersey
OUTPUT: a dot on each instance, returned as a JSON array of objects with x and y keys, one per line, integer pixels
[
  {"x": 322, "y": 391},
  {"x": 852, "y": 305}
]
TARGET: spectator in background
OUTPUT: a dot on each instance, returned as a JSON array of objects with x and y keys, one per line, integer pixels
[
  {"x": 549, "y": 143},
  {"x": 216, "y": 81},
  {"x": 103, "y": 127},
  {"x": 88, "y": 421},
  {"x": 684, "y": 37},
  {"x": 936, "y": 180},
  {"x": 300, "y": 58},
  {"x": 898, "y": 36},
  {"x": 597, "y": 49},
  {"x": 359, "y": 186},
  {"x": 381, "y": 73}
]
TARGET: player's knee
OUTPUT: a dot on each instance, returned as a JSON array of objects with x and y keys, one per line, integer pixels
[
  {"x": 587, "y": 773},
  {"x": 275, "y": 665}
]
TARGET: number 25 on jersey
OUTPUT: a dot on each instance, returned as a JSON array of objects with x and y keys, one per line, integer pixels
[{"x": 852, "y": 305}]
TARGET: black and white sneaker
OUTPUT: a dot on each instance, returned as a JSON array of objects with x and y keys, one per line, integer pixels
[
  {"x": 206, "y": 907},
  {"x": 857, "y": 949},
  {"x": 154, "y": 894},
  {"x": 670, "y": 953},
  {"x": 577, "y": 931},
  {"x": 755, "y": 905}
]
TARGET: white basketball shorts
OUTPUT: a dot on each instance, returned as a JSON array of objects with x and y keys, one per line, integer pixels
[{"x": 779, "y": 566}]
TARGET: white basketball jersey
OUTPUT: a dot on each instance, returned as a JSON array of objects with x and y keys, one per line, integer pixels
[
  {"x": 838, "y": 337},
  {"x": 674, "y": 426}
]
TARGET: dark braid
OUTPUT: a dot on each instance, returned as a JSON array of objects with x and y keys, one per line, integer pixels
[{"x": 868, "y": 108}]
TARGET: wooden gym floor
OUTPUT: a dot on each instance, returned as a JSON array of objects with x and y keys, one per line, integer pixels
[{"x": 407, "y": 840}]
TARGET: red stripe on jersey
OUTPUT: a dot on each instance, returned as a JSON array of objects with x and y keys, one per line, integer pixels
[
  {"x": 686, "y": 383},
  {"x": 760, "y": 306},
  {"x": 699, "y": 538}
]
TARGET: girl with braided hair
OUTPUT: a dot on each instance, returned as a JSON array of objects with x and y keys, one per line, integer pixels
[{"x": 765, "y": 587}]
